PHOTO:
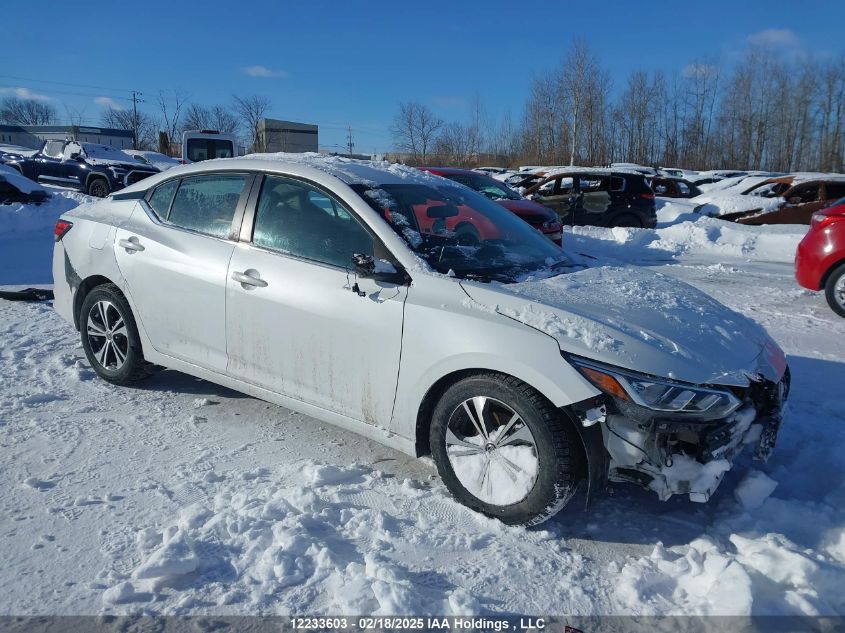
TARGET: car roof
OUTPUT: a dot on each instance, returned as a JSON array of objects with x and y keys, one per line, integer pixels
[
  {"x": 453, "y": 171},
  {"x": 347, "y": 170}
]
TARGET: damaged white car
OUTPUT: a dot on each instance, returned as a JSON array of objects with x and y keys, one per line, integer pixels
[{"x": 420, "y": 314}]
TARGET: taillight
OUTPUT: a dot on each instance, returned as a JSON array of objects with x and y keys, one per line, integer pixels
[
  {"x": 62, "y": 227},
  {"x": 647, "y": 196}
]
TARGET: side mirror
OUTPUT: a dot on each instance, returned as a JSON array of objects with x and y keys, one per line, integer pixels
[
  {"x": 75, "y": 156},
  {"x": 794, "y": 200},
  {"x": 368, "y": 267},
  {"x": 442, "y": 211}
]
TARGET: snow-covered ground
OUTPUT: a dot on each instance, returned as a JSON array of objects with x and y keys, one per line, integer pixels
[{"x": 178, "y": 496}]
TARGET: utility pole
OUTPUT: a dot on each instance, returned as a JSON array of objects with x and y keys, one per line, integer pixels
[
  {"x": 349, "y": 143},
  {"x": 135, "y": 102}
]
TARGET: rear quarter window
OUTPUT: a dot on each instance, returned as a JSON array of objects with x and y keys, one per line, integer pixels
[{"x": 161, "y": 198}]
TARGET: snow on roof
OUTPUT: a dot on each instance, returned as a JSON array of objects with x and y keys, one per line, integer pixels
[
  {"x": 599, "y": 171},
  {"x": 350, "y": 170}
]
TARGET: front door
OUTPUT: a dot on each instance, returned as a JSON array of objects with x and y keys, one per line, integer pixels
[
  {"x": 298, "y": 321},
  {"x": 174, "y": 253}
]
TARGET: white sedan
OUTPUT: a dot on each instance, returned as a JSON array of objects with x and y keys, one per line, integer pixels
[{"x": 351, "y": 291}]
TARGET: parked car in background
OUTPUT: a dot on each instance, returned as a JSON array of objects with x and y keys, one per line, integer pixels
[
  {"x": 156, "y": 159},
  {"x": 538, "y": 216},
  {"x": 784, "y": 200},
  {"x": 820, "y": 258},
  {"x": 598, "y": 197},
  {"x": 199, "y": 145},
  {"x": 337, "y": 289},
  {"x": 667, "y": 187},
  {"x": 521, "y": 181},
  {"x": 15, "y": 150},
  {"x": 14, "y": 187},
  {"x": 91, "y": 168},
  {"x": 491, "y": 170}
]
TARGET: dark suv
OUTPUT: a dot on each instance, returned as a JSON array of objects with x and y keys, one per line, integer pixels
[
  {"x": 598, "y": 197},
  {"x": 92, "y": 168}
]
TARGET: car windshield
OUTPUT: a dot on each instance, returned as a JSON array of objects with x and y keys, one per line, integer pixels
[{"x": 459, "y": 232}]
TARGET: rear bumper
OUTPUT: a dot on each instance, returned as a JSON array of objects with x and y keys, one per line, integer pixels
[
  {"x": 809, "y": 267},
  {"x": 63, "y": 283}
]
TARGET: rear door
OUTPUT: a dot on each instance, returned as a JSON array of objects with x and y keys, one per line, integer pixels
[
  {"x": 298, "y": 321},
  {"x": 174, "y": 254},
  {"x": 557, "y": 194}
]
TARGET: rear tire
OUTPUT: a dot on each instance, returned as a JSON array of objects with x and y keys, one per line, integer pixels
[
  {"x": 98, "y": 187},
  {"x": 526, "y": 464},
  {"x": 834, "y": 290},
  {"x": 110, "y": 337}
]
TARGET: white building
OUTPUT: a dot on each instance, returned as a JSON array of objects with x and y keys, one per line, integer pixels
[{"x": 34, "y": 135}]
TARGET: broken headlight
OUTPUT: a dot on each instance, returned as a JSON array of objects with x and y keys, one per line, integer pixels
[{"x": 658, "y": 395}]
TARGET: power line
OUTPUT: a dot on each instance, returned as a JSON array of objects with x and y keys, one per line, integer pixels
[{"x": 62, "y": 83}]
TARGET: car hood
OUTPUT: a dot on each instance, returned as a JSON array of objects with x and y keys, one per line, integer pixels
[
  {"x": 130, "y": 166},
  {"x": 639, "y": 320},
  {"x": 528, "y": 208}
]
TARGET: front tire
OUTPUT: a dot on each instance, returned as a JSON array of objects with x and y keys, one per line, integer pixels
[
  {"x": 110, "y": 337},
  {"x": 98, "y": 187},
  {"x": 502, "y": 449},
  {"x": 834, "y": 290}
]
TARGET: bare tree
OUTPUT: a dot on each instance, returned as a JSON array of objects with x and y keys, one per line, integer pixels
[
  {"x": 414, "y": 129},
  {"x": 217, "y": 117},
  {"x": 171, "y": 107},
  {"x": 146, "y": 126},
  {"x": 74, "y": 116},
  {"x": 251, "y": 110},
  {"x": 26, "y": 112}
]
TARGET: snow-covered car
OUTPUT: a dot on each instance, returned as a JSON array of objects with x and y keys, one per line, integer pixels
[
  {"x": 307, "y": 281},
  {"x": 92, "y": 168},
  {"x": 16, "y": 188},
  {"x": 158, "y": 160}
]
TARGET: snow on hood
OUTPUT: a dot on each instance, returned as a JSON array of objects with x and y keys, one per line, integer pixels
[
  {"x": 639, "y": 320},
  {"x": 723, "y": 205}
]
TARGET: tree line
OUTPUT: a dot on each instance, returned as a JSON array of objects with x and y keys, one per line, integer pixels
[
  {"x": 172, "y": 113},
  {"x": 765, "y": 112}
]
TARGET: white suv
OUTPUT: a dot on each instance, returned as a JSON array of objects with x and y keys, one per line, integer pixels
[{"x": 347, "y": 290}]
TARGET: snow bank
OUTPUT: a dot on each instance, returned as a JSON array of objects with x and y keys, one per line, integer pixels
[
  {"x": 685, "y": 234},
  {"x": 26, "y": 237}
]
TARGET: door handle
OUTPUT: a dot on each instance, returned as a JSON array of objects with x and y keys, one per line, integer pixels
[
  {"x": 249, "y": 277},
  {"x": 131, "y": 245}
]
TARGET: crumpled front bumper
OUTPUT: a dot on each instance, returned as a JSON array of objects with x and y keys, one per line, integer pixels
[{"x": 676, "y": 456}]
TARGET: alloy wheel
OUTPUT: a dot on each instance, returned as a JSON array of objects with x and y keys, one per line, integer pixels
[
  {"x": 492, "y": 451},
  {"x": 839, "y": 292},
  {"x": 107, "y": 335}
]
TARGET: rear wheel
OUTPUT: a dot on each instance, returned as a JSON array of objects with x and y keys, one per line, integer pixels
[
  {"x": 98, "y": 187},
  {"x": 110, "y": 337},
  {"x": 834, "y": 290},
  {"x": 502, "y": 449}
]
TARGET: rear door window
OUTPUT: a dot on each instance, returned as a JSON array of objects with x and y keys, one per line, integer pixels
[
  {"x": 207, "y": 204},
  {"x": 54, "y": 149}
]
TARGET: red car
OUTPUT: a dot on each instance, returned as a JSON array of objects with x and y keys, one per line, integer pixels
[
  {"x": 820, "y": 259},
  {"x": 541, "y": 218}
]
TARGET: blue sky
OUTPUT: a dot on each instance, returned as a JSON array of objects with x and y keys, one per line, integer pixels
[{"x": 350, "y": 63}]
